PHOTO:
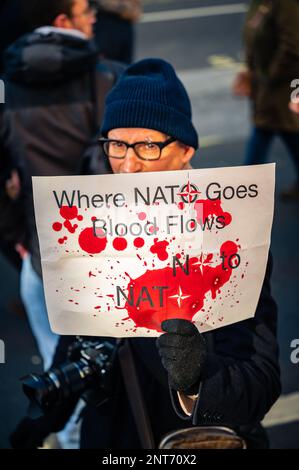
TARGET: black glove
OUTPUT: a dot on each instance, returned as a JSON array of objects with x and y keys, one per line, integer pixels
[
  {"x": 183, "y": 352},
  {"x": 29, "y": 434}
]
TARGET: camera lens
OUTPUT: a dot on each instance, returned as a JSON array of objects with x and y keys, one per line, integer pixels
[
  {"x": 41, "y": 390},
  {"x": 57, "y": 384},
  {"x": 87, "y": 372}
]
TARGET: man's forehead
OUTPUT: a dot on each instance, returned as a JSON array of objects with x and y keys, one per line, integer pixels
[{"x": 136, "y": 133}]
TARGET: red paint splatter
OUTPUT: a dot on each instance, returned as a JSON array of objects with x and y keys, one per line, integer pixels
[
  {"x": 138, "y": 242},
  {"x": 120, "y": 244},
  {"x": 184, "y": 296},
  {"x": 228, "y": 249},
  {"x": 69, "y": 213},
  {"x": 141, "y": 216},
  {"x": 91, "y": 244},
  {"x": 71, "y": 228},
  {"x": 62, "y": 240},
  {"x": 206, "y": 208},
  {"x": 57, "y": 226},
  {"x": 181, "y": 205},
  {"x": 159, "y": 248},
  {"x": 152, "y": 229}
]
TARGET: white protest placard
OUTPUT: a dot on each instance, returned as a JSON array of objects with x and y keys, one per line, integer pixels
[{"x": 122, "y": 253}]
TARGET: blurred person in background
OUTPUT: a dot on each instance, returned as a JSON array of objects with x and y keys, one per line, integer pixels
[
  {"x": 115, "y": 28},
  {"x": 12, "y": 24},
  {"x": 272, "y": 60},
  {"x": 55, "y": 91},
  {"x": 11, "y": 211}
]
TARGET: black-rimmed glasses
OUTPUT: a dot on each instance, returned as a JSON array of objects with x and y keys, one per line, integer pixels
[{"x": 148, "y": 151}]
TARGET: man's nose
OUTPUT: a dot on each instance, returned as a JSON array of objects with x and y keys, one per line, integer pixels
[{"x": 131, "y": 163}]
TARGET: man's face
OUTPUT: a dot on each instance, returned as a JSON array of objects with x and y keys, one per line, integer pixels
[
  {"x": 83, "y": 17},
  {"x": 174, "y": 156}
]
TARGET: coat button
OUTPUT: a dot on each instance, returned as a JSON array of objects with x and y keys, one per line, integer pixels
[{"x": 216, "y": 416}]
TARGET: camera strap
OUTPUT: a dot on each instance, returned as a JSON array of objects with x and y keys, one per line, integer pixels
[{"x": 135, "y": 395}]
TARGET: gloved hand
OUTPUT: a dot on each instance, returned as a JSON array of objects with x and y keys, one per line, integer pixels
[
  {"x": 183, "y": 352},
  {"x": 29, "y": 434}
]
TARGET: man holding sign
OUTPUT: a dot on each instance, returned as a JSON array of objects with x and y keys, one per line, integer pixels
[{"x": 227, "y": 376}]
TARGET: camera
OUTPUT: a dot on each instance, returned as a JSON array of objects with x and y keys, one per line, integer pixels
[{"x": 87, "y": 373}]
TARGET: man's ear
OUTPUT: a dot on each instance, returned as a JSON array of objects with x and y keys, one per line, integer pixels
[
  {"x": 188, "y": 154},
  {"x": 62, "y": 21}
]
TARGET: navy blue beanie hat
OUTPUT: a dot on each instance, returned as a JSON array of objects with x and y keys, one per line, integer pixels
[{"x": 150, "y": 95}]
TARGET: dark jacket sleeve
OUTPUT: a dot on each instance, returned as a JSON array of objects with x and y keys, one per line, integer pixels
[{"x": 241, "y": 379}]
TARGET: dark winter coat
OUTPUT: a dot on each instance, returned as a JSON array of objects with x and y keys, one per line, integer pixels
[
  {"x": 55, "y": 92},
  {"x": 239, "y": 384}
]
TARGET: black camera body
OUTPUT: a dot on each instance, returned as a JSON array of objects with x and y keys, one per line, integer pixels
[{"x": 87, "y": 373}]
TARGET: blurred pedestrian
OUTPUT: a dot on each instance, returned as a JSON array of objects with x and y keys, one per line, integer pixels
[
  {"x": 12, "y": 26},
  {"x": 115, "y": 28},
  {"x": 272, "y": 60},
  {"x": 11, "y": 219},
  {"x": 55, "y": 91}
]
